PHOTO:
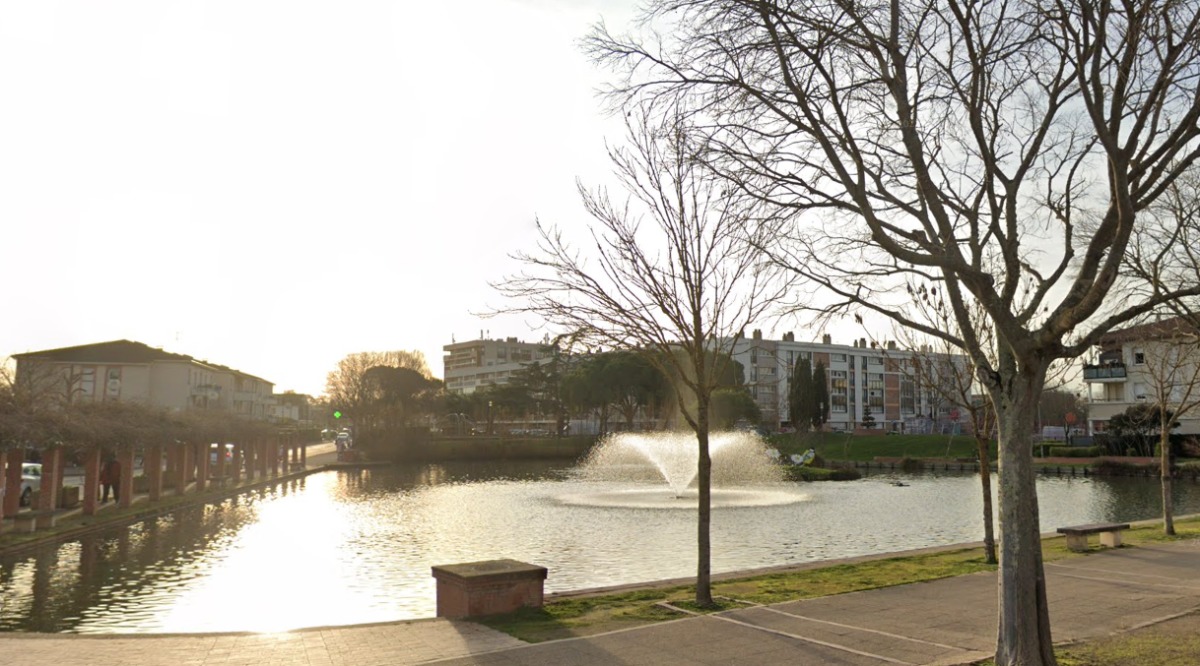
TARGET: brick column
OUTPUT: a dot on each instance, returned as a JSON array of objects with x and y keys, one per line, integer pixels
[
  {"x": 248, "y": 452},
  {"x": 91, "y": 481},
  {"x": 125, "y": 483},
  {"x": 202, "y": 453},
  {"x": 236, "y": 464},
  {"x": 152, "y": 465},
  {"x": 12, "y": 482},
  {"x": 48, "y": 494},
  {"x": 261, "y": 455},
  {"x": 184, "y": 458}
]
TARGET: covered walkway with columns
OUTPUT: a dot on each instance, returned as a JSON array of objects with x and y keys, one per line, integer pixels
[{"x": 165, "y": 470}]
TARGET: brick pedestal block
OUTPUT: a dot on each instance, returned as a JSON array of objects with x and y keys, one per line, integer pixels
[{"x": 487, "y": 588}]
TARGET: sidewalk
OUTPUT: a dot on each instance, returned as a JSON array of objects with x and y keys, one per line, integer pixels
[{"x": 950, "y": 621}]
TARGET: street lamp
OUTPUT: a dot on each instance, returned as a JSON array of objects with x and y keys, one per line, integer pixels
[{"x": 489, "y": 417}]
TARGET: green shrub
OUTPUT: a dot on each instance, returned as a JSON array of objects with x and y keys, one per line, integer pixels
[
  {"x": 844, "y": 474},
  {"x": 1118, "y": 468},
  {"x": 811, "y": 473},
  {"x": 1076, "y": 451},
  {"x": 912, "y": 464}
]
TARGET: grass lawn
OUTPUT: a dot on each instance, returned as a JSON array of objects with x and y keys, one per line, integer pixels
[
  {"x": 844, "y": 446},
  {"x": 586, "y": 615}
]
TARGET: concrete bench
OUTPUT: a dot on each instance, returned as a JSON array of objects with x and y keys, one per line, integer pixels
[
  {"x": 29, "y": 521},
  {"x": 1077, "y": 536}
]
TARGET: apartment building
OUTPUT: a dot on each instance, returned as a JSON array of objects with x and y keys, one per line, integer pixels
[
  {"x": 1134, "y": 366},
  {"x": 861, "y": 376},
  {"x": 123, "y": 370},
  {"x": 470, "y": 366}
]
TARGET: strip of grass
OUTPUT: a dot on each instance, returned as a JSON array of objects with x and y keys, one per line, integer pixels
[
  {"x": 1172, "y": 643},
  {"x": 589, "y": 615},
  {"x": 583, "y": 616},
  {"x": 844, "y": 446}
]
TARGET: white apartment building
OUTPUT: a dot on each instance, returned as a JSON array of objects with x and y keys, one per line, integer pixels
[
  {"x": 859, "y": 375},
  {"x": 1128, "y": 371},
  {"x": 470, "y": 366},
  {"x": 128, "y": 371}
]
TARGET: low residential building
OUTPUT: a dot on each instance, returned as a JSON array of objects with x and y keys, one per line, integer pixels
[
  {"x": 879, "y": 379},
  {"x": 469, "y": 366},
  {"x": 291, "y": 408},
  {"x": 122, "y": 370},
  {"x": 1133, "y": 366}
]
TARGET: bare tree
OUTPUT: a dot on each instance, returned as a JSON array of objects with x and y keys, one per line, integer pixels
[
  {"x": 935, "y": 141},
  {"x": 350, "y": 390},
  {"x": 935, "y": 365},
  {"x": 1171, "y": 371},
  {"x": 668, "y": 276}
]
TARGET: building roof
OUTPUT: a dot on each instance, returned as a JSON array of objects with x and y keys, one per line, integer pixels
[
  {"x": 116, "y": 351},
  {"x": 122, "y": 351},
  {"x": 1155, "y": 330}
]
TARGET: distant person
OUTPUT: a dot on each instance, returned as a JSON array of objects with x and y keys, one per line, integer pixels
[{"x": 110, "y": 479}]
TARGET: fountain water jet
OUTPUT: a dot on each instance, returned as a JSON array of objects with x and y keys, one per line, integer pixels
[{"x": 739, "y": 463}]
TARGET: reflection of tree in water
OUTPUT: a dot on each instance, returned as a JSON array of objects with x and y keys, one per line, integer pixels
[{"x": 63, "y": 586}]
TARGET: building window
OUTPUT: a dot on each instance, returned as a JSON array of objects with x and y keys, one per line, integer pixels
[
  {"x": 1139, "y": 356},
  {"x": 838, "y": 389},
  {"x": 837, "y": 358}
]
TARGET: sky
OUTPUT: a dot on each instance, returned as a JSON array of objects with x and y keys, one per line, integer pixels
[{"x": 273, "y": 185}]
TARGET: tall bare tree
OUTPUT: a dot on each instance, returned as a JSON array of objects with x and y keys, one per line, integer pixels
[
  {"x": 667, "y": 275},
  {"x": 938, "y": 140},
  {"x": 349, "y": 388},
  {"x": 1171, "y": 372},
  {"x": 937, "y": 366}
]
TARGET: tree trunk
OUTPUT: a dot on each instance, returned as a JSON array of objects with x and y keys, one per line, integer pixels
[
  {"x": 1164, "y": 457},
  {"x": 1023, "y": 638},
  {"x": 704, "y": 509},
  {"x": 985, "y": 480}
]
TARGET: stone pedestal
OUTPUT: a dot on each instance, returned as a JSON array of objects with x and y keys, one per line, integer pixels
[{"x": 487, "y": 588}]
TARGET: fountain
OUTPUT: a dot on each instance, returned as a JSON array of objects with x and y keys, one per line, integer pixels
[{"x": 630, "y": 469}]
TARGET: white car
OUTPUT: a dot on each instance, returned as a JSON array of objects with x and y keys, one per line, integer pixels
[{"x": 31, "y": 480}]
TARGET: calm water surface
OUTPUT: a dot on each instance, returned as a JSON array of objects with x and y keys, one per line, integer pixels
[{"x": 355, "y": 547}]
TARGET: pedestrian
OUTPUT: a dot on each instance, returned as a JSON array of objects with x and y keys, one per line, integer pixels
[{"x": 110, "y": 479}]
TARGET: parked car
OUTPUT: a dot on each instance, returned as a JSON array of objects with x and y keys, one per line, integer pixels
[
  {"x": 212, "y": 454},
  {"x": 31, "y": 480}
]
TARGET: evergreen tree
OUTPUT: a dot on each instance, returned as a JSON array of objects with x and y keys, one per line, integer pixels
[
  {"x": 820, "y": 390},
  {"x": 868, "y": 421},
  {"x": 800, "y": 395}
]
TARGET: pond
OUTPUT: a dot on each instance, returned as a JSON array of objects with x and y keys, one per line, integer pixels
[{"x": 350, "y": 547}]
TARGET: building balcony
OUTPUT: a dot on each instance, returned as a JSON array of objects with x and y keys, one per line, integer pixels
[
  {"x": 1107, "y": 373},
  {"x": 210, "y": 391}
]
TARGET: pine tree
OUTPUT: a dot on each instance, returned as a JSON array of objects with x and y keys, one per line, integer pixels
[
  {"x": 820, "y": 390},
  {"x": 800, "y": 395},
  {"x": 868, "y": 421}
]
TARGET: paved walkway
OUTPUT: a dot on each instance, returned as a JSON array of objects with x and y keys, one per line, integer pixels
[{"x": 950, "y": 621}]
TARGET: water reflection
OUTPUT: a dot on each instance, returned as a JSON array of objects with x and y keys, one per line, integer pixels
[{"x": 356, "y": 546}]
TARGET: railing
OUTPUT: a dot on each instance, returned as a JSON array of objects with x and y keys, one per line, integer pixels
[{"x": 1112, "y": 371}]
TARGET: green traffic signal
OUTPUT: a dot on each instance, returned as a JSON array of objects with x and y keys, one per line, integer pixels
[{"x": 337, "y": 415}]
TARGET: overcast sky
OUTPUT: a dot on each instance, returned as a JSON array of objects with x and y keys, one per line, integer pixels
[{"x": 273, "y": 185}]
